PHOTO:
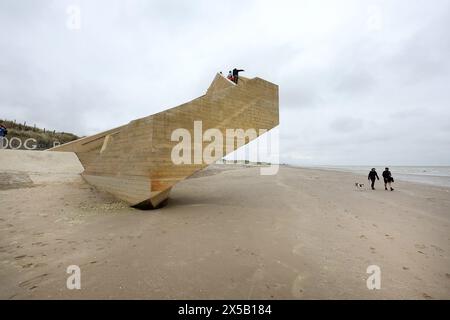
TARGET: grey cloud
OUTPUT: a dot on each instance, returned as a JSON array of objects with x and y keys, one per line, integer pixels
[{"x": 347, "y": 124}]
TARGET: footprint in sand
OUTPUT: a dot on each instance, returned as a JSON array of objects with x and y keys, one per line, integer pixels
[
  {"x": 440, "y": 250},
  {"x": 297, "y": 287},
  {"x": 297, "y": 249},
  {"x": 40, "y": 244},
  {"x": 38, "y": 233},
  {"x": 32, "y": 283},
  {"x": 426, "y": 296},
  {"x": 39, "y": 265}
]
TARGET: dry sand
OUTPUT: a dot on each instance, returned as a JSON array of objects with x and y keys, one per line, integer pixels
[{"x": 227, "y": 233}]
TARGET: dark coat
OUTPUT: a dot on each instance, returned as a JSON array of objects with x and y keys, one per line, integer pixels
[
  {"x": 236, "y": 72},
  {"x": 372, "y": 175}
]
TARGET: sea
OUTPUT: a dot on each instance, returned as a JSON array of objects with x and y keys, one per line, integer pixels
[{"x": 438, "y": 176}]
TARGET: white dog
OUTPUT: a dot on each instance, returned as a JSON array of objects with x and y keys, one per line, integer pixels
[{"x": 360, "y": 186}]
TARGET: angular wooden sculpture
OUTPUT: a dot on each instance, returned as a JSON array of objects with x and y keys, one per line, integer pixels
[{"x": 133, "y": 162}]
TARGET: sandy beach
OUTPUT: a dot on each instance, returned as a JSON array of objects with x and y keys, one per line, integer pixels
[{"x": 227, "y": 233}]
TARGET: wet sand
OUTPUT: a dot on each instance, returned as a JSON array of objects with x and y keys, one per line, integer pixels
[{"x": 227, "y": 233}]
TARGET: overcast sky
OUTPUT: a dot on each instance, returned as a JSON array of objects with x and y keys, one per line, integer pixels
[{"x": 361, "y": 82}]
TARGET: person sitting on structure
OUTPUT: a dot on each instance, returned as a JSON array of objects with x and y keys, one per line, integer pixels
[{"x": 230, "y": 76}]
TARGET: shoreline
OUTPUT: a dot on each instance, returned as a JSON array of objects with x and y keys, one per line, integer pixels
[{"x": 431, "y": 180}]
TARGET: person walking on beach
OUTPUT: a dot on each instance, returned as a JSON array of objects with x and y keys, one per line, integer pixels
[
  {"x": 372, "y": 176},
  {"x": 3, "y": 133},
  {"x": 236, "y": 74},
  {"x": 387, "y": 176}
]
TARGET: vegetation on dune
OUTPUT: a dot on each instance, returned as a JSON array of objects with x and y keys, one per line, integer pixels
[{"x": 23, "y": 136}]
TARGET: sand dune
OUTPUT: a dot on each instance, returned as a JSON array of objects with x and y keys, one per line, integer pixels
[{"x": 226, "y": 233}]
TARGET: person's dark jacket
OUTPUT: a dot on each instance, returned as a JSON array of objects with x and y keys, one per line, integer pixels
[
  {"x": 372, "y": 175},
  {"x": 387, "y": 175},
  {"x": 3, "y": 132},
  {"x": 236, "y": 72}
]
